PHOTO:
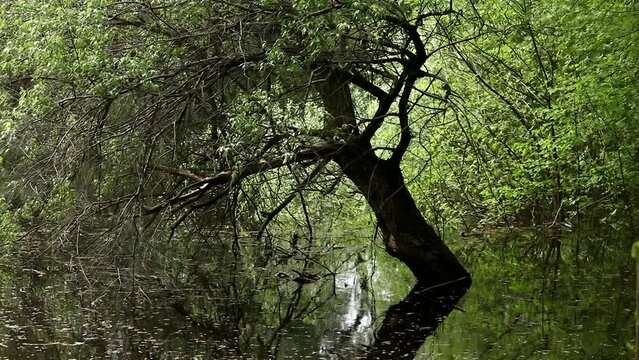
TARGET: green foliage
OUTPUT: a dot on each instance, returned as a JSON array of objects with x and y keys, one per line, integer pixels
[
  {"x": 95, "y": 94},
  {"x": 10, "y": 228},
  {"x": 542, "y": 126}
]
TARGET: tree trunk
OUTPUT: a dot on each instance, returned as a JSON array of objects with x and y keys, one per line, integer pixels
[{"x": 407, "y": 236}]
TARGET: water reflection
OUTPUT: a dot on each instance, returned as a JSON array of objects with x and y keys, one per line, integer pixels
[
  {"x": 358, "y": 304},
  {"x": 218, "y": 306},
  {"x": 408, "y": 323}
]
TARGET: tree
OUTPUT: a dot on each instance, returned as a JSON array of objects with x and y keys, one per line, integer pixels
[{"x": 168, "y": 109}]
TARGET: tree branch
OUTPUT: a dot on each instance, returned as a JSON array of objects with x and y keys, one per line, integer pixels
[
  {"x": 179, "y": 172},
  {"x": 518, "y": 114},
  {"x": 323, "y": 11},
  {"x": 411, "y": 72},
  {"x": 383, "y": 107},
  {"x": 271, "y": 215},
  {"x": 405, "y": 133},
  {"x": 203, "y": 184},
  {"x": 360, "y": 81}
]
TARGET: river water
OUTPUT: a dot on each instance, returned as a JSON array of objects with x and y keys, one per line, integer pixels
[{"x": 567, "y": 295}]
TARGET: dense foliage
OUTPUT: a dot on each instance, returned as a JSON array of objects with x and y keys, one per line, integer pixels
[
  {"x": 109, "y": 108},
  {"x": 545, "y": 119}
]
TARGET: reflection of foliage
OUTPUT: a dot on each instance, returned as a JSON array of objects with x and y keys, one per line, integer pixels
[
  {"x": 207, "y": 301},
  {"x": 522, "y": 307}
]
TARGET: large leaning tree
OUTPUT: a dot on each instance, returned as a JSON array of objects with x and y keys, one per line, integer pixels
[{"x": 169, "y": 106}]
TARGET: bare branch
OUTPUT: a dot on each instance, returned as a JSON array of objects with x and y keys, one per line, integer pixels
[
  {"x": 318, "y": 152},
  {"x": 271, "y": 215},
  {"x": 361, "y": 82},
  {"x": 179, "y": 172},
  {"x": 383, "y": 107},
  {"x": 405, "y": 133}
]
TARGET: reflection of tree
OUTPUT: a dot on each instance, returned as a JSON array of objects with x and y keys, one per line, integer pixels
[
  {"x": 408, "y": 323},
  {"x": 43, "y": 341},
  {"x": 301, "y": 304},
  {"x": 351, "y": 329},
  {"x": 218, "y": 306}
]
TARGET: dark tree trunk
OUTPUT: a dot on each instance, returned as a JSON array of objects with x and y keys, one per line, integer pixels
[{"x": 407, "y": 236}]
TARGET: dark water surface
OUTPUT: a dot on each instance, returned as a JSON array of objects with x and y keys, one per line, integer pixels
[{"x": 566, "y": 296}]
